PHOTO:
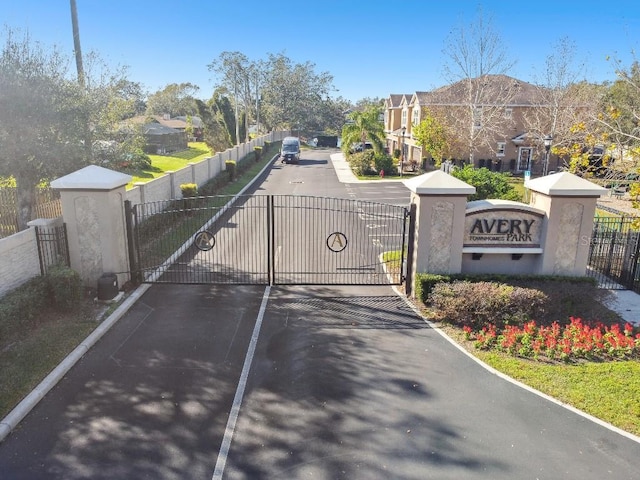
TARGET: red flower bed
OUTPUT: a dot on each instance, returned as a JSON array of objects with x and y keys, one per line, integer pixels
[{"x": 576, "y": 340}]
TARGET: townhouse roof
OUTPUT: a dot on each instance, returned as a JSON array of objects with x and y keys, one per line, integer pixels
[
  {"x": 395, "y": 99},
  {"x": 488, "y": 90}
]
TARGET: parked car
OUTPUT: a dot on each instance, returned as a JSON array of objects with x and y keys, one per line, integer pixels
[
  {"x": 290, "y": 150},
  {"x": 357, "y": 147}
]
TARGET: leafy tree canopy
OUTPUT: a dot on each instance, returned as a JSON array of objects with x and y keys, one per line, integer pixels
[
  {"x": 49, "y": 123},
  {"x": 489, "y": 185},
  {"x": 364, "y": 126},
  {"x": 175, "y": 100}
]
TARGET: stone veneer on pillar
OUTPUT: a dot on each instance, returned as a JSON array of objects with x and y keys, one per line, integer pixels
[
  {"x": 93, "y": 210},
  {"x": 441, "y": 201},
  {"x": 570, "y": 204}
]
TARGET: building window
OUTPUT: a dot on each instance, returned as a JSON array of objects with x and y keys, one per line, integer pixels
[
  {"x": 416, "y": 116},
  {"x": 403, "y": 122},
  {"x": 477, "y": 117},
  {"x": 508, "y": 112},
  {"x": 500, "y": 149}
]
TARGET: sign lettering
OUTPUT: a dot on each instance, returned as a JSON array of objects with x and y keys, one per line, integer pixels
[{"x": 503, "y": 227}]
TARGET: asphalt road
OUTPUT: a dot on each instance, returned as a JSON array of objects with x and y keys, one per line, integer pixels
[{"x": 254, "y": 382}]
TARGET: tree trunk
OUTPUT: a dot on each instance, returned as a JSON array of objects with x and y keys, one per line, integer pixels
[{"x": 26, "y": 198}]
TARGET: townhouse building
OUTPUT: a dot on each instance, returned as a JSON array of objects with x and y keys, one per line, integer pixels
[{"x": 495, "y": 121}]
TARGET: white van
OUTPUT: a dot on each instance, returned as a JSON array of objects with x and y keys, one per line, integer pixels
[{"x": 290, "y": 151}]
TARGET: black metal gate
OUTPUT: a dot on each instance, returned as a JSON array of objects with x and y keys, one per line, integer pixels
[
  {"x": 53, "y": 246},
  {"x": 268, "y": 239},
  {"x": 614, "y": 253}
]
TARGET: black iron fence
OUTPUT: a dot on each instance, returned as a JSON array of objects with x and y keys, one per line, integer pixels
[
  {"x": 53, "y": 248},
  {"x": 268, "y": 239},
  {"x": 614, "y": 253}
]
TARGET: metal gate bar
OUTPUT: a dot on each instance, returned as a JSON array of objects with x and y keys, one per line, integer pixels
[
  {"x": 333, "y": 241},
  {"x": 53, "y": 246},
  {"x": 267, "y": 239},
  {"x": 204, "y": 240}
]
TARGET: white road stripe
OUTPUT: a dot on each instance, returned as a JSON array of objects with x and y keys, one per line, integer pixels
[{"x": 237, "y": 400}]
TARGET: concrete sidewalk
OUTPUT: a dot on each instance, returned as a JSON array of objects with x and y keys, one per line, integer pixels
[{"x": 625, "y": 303}]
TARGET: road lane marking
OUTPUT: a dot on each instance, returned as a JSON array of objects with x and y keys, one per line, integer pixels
[{"x": 242, "y": 384}]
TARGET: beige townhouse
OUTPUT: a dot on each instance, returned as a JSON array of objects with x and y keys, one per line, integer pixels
[{"x": 495, "y": 121}]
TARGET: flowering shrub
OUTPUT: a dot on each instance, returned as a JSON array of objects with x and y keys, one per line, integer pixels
[
  {"x": 480, "y": 303},
  {"x": 576, "y": 340}
]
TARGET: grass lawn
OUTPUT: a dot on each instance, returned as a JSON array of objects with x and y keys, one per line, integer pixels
[
  {"x": 609, "y": 391},
  {"x": 160, "y": 164}
]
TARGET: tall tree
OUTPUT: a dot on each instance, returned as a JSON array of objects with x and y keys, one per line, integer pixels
[
  {"x": 44, "y": 113},
  {"x": 564, "y": 99},
  {"x": 433, "y": 137},
  {"x": 291, "y": 92},
  {"x": 621, "y": 106},
  {"x": 217, "y": 116},
  {"x": 42, "y": 118},
  {"x": 235, "y": 73},
  {"x": 174, "y": 99},
  {"x": 477, "y": 61},
  {"x": 364, "y": 126}
]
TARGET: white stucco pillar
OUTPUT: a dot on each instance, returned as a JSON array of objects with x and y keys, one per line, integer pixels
[
  {"x": 570, "y": 203},
  {"x": 93, "y": 209},
  {"x": 441, "y": 201}
]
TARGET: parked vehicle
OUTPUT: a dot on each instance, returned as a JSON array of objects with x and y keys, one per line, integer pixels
[
  {"x": 358, "y": 147},
  {"x": 290, "y": 150}
]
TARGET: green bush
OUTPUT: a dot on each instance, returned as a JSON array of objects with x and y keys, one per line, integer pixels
[
  {"x": 189, "y": 190},
  {"x": 64, "y": 287},
  {"x": 362, "y": 163},
  {"x": 231, "y": 169},
  {"x": 477, "y": 304},
  {"x": 384, "y": 163},
  {"x": 425, "y": 283},
  {"x": 489, "y": 185},
  {"x": 258, "y": 152},
  {"x": 19, "y": 308}
]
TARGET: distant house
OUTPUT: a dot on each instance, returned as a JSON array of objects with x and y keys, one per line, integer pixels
[
  {"x": 161, "y": 140},
  {"x": 494, "y": 108},
  {"x": 164, "y": 134}
]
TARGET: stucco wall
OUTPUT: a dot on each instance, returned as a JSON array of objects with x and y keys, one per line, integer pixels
[{"x": 18, "y": 260}]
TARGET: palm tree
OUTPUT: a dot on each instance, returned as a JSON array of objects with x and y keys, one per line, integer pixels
[{"x": 365, "y": 126}]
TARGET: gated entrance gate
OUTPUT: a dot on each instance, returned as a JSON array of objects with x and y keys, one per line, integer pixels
[
  {"x": 268, "y": 239},
  {"x": 614, "y": 253}
]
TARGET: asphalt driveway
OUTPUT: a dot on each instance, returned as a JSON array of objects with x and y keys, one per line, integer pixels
[{"x": 243, "y": 382}]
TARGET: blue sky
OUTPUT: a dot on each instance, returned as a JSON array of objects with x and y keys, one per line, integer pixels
[{"x": 356, "y": 41}]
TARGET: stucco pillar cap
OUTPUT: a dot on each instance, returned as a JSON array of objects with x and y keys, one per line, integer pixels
[
  {"x": 91, "y": 177},
  {"x": 565, "y": 184},
  {"x": 438, "y": 183}
]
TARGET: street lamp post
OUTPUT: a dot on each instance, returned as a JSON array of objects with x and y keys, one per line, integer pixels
[
  {"x": 404, "y": 129},
  {"x": 547, "y": 146}
]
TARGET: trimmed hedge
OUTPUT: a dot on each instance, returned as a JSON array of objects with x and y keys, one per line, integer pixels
[
  {"x": 61, "y": 288},
  {"x": 477, "y": 304},
  {"x": 564, "y": 297},
  {"x": 426, "y": 281}
]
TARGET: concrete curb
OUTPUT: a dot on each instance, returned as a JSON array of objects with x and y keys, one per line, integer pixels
[{"x": 21, "y": 410}]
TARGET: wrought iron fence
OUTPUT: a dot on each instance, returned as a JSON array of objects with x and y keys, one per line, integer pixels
[
  {"x": 613, "y": 253},
  {"x": 53, "y": 248}
]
